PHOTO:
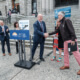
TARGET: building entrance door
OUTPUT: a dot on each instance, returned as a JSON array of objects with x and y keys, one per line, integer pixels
[{"x": 15, "y": 4}]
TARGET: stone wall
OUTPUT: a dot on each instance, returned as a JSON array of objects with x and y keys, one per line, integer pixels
[
  {"x": 5, "y": 6},
  {"x": 2, "y": 7},
  {"x": 23, "y": 7},
  {"x": 29, "y": 7},
  {"x": 45, "y": 7},
  {"x": 79, "y": 4},
  {"x": 8, "y": 4},
  {"x": 49, "y": 20}
]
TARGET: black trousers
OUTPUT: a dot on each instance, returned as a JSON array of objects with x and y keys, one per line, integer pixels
[
  {"x": 35, "y": 45},
  {"x": 17, "y": 47},
  {"x": 3, "y": 45}
]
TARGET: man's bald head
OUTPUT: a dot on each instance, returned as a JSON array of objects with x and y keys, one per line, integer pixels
[
  {"x": 1, "y": 23},
  {"x": 40, "y": 17}
]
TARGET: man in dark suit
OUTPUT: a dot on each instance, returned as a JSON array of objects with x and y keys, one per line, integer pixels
[
  {"x": 4, "y": 37},
  {"x": 39, "y": 36}
]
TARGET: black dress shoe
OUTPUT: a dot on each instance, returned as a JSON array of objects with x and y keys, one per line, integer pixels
[{"x": 42, "y": 59}]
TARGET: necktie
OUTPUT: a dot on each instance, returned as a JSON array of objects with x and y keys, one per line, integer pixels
[
  {"x": 41, "y": 26},
  {"x": 4, "y": 32}
]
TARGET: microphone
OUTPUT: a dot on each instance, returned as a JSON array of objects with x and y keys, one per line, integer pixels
[{"x": 25, "y": 27}]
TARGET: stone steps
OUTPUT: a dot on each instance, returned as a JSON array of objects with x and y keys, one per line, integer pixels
[
  {"x": 48, "y": 45},
  {"x": 76, "y": 30},
  {"x": 28, "y": 45},
  {"x": 78, "y": 34}
]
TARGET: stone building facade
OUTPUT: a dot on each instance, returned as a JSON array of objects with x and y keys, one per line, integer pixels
[
  {"x": 30, "y": 7},
  {"x": 4, "y": 6}
]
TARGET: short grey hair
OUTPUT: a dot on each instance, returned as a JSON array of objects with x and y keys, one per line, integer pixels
[
  {"x": 40, "y": 15},
  {"x": 1, "y": 21},
  {"x": 61, "y": 13}
]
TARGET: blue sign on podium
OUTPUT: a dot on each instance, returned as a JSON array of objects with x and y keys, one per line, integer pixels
[{"x": 19, "y": 34}]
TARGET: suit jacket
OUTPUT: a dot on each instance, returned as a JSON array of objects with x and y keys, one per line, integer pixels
[
  {"x": 38, "y": 33},
  {"x": 66, "y": 29},
  {"x": 2, "y": 33}
]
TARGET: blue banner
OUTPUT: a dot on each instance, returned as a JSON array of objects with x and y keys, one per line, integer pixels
[
  {"x": 67, "y": 11},
  {"x": 19, "y": 34}
]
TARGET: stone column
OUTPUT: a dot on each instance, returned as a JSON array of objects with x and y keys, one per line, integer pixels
[
  {"x": 22, "y": 7},
  {"x": 29, "y": 7},
  {"x": 47, "y": 6},
  {"x": 39, "y": 6},
  {"x": 5, "y": 6},
  {"x": 44, "y": 6},
  {"x": 79, "y": 4},
  {"x": 9, "y": 4},
  {"x": 2, "y": 8},
  {"x": 52, "y": 5}
]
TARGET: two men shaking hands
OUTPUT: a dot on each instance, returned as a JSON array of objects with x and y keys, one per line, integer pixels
[{"x": 46, "y": 35}]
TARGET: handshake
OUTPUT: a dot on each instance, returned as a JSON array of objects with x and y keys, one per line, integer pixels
[{"x": 46, "y": 35}]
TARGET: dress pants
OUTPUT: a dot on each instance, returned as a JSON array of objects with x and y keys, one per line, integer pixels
[
  {"x": 35, "y": 45},
  {"x": 66, "y": 53},
  {"x": 3, "y": 45}
]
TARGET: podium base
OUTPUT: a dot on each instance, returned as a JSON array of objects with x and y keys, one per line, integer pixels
[{"x": 28, "y": 65}]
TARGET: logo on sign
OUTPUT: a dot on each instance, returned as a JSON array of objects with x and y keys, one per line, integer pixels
[{"x": 14, "y": 34}]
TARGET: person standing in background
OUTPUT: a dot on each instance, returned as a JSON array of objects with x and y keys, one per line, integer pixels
[
  {"x": 57, "y": 43},
  {"x": 4, "y": 36},
  {"x": 16, "y": 26},
  {"x": 9, "y": 16}
]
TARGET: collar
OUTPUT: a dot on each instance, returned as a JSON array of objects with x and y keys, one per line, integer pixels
[
  {"x": 40, "y": 22},
  {"x": 2, "y": 26},
  {"x": 62, "y": 20}
]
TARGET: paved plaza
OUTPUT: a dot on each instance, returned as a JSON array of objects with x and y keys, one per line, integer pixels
[{"x": 47, "y": 70}]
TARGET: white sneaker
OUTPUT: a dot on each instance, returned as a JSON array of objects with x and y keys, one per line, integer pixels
[
  {"x": 62, "y": 54},
  {"x": 57, "y": 52}
]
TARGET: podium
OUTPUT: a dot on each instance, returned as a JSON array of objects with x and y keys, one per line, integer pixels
[{"x": 22, "y": 35}]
